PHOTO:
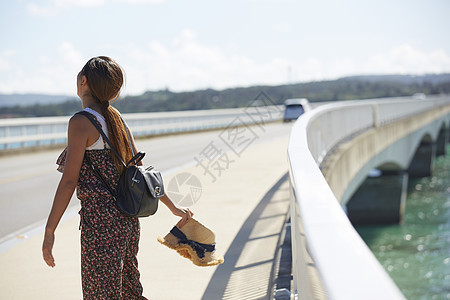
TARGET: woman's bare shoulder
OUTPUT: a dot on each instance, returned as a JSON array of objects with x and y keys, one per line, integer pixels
[
  {"x": 81, "y": 125},
  {"x": 80, "y": 120}
]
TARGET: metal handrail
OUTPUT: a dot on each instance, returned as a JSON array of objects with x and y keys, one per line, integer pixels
[{"x": 35, "y": 132}]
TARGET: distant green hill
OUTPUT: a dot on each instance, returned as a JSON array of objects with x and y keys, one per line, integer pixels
[
  {"x": 407, "y": 79},
  {"x": 348, "y": 88},
  {"x": 31, "y": 99}
]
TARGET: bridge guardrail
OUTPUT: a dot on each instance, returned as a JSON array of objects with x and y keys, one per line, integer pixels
[
  {"x": 35, "y": 132},
  {"x": 341, "y": 121},
  {"x": 330, "y": 260}
]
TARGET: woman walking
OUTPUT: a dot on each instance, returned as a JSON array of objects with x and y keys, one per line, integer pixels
[{"x": 109, "y": 239}]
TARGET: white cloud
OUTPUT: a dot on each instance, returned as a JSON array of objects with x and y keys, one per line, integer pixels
[
  {"x": 271, "y": 1},
  {"x": 403, "y": 59},
  {"x": 5, "y": 60},
  {"x": 58, "y": 74},
  {"x": 53, "y": 74},
  {"x": 70, "y": 55},
  {"x": 282, "y": 27},
  {"x": 57, "y": 5},
  {"x": 186, "y": 64},
  {"x": 81, "y": 3},
  {"x": 310, "y": 69},
  {"x": 42, "y": 11},
  {"x": 143, "y": 1}
]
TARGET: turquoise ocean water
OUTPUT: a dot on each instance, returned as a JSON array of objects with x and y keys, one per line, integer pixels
[{"x": 416, "y": 253}]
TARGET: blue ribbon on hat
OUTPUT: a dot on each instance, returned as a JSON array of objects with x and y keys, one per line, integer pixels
[{"x": 199, "y": 248}]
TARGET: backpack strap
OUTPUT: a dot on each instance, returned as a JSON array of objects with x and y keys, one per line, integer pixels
[
  {"x": 138, "y": 157},
  {"x": 100, "y": 130}
]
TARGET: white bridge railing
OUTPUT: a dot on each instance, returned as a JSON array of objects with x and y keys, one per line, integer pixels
[
  {"x": 330, "y": 260},
  {"x": 44, "y": 131}
]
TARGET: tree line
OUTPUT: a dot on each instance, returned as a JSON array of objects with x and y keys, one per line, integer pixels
[{"x": 350, "y": 88}]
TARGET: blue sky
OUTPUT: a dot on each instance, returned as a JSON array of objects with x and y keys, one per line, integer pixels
[{"x": 188, "y": 45}]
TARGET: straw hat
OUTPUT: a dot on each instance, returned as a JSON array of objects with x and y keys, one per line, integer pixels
[{"x": 195, "y": 242}]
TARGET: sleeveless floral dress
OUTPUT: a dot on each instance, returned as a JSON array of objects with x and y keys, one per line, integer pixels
[{"x": 109, "y": 239}]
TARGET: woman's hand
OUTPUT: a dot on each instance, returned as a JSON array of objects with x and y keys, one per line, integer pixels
[
  {"x": 47, "y": 247},
  {"x": 184, "y": 213}
]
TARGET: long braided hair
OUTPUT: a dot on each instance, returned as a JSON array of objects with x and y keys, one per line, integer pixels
[{"x": 105, "y": 79}]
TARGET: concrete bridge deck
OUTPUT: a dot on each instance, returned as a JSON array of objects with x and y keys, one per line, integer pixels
[{"x": 246, "y": 207}]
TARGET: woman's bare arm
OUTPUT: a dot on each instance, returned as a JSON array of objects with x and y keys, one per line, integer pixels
[
  {"x": 77, "y": 139},
  {"x": 184, "y": 213}
]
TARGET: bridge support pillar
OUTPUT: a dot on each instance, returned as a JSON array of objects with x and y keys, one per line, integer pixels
[
  {"x": 380, "y": 199},
  {"x": 422, "y": 162},
  {"x": 441, "y": 143}
]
